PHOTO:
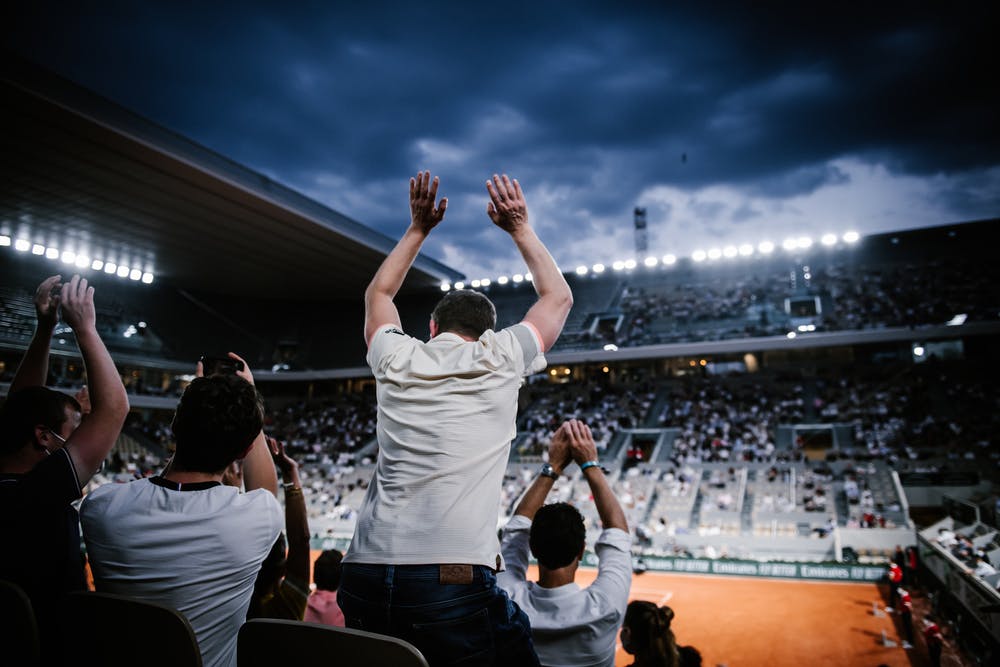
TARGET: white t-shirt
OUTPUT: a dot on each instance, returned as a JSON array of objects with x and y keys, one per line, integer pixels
[
  {"x": 446, "y": 417},
  {"x": 195, "y": 551},
  {"x": 571, "y": 626}
]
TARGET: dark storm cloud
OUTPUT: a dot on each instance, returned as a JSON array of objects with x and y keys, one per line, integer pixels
[{"x": 592, "y": 103}]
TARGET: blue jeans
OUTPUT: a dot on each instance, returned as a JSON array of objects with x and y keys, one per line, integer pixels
[{"x": 451, "y": 624}]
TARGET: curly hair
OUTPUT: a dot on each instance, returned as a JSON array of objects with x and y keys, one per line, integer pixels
[
  {"x": 30, "y": 407},
  {"x": 557, "y": 535},
  {"x": 466, "y": 312},
  {"x": 217, "y": 419}
]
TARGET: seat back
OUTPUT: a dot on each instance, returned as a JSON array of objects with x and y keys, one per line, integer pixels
[
  {"x": 130, "y": 632},
  {"x": 268, "y": 642},
  {"x": 19, "y": 630}
]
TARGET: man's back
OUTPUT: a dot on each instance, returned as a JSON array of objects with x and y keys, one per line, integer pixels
[{"x": 197, "y": 551}]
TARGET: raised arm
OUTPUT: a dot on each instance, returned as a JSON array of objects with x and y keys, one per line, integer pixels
[
  {"x": 258, "y": 467},
  {"x": 585, "y": 451},
  {"x": 509, "y": 211},
  {"x": 424, "y": 216},
  {"x": 559, "y": 457},
  {"x": 90, "y": 443},
  {"x": 34, "y": 368},
  {"x": 296, "y": 522}
]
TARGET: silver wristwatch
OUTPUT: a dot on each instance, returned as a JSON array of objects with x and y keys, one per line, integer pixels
[{"x": 548, "y": 471}]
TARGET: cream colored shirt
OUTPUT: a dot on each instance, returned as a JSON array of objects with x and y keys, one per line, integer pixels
[{"x": 446, "y": 413}]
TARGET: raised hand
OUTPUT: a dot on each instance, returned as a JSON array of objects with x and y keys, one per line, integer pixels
[
  {"x": 77, "y": 302},
  {"x": 506, "y": 208},
  {"x": 581, "y": 441},
  {"x": 47, "y": 298},
  {"x": 286, "y": 464},
  {"x": 424, "y": 214},
  {"x": 559, "y": 449}
]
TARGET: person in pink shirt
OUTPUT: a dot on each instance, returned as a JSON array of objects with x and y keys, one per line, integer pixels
[{"x": 322, "y": 606}]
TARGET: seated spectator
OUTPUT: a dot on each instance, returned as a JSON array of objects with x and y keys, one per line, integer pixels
[
  {"x": 282, "y": 587},
  {"x": 646, "y": 634},
  {"x": 183, "y": 539},
  {"x": 323, "y": 607},
  {"x": 570, "y": 625},
  {"x": 49, "y": 451}
]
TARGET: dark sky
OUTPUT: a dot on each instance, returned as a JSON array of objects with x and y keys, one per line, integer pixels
[{"x": 731, "y": 124}]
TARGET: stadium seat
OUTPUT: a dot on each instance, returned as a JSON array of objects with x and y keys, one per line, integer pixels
[
  {"x": 130, "y": 631},
  {"x": 19, "y": 634},
  {"x": 267, "y": 642}
]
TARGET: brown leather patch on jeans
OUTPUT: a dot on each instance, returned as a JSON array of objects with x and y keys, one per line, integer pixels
[{"x": 456, "y": 574}]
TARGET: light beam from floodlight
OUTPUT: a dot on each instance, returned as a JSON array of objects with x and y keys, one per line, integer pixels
[
  {"x": 503, "y": 280},
  {"x": 52, "y": 253},
  {"x": 110, "y": 267},
  {"x": 597, "y": 268},
  {"x": 851, "y": 237},
  {"x": 485, "y": 282},
  {"x": 618, "y": 265},
  {"x": 517, "y": 278},
  {"x": 581, "y": 270},
  {"x": 148, "y": 279},
  {"x": 459, "y": 285},
  {"x": 669, "y": 259},
  {"x": 37, "y": 249},
  {"x": 475, "y": 283},
  {"x": 4, "y": 240},
  {"x": 82, "y": 261},
  {"x": 135, "y": 274},
  {"x": 445, "y": 286},
  {"x": 630, "y": 264},
  {"x": 829, "y": 239},
  {"x": 122, "y": 271},
  {"x": 650, "y": 262},
  {"x": 97, "y": 265},
  {"x": 68, "y": 257},
  {"x": 21, "y": 245}
]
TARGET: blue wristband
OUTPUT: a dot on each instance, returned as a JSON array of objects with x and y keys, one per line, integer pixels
[{"x": 589, "y": 464}]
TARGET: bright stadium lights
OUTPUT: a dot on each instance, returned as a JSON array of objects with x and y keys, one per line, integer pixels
[
  {"x": 610, "y": 347},
  {"x": 529, "y": 277},
  {"x": 476, "y": 283},
  {"x": 746, "y": 250},
  {"x": 698, "y": 255},
  {"x": 517, "y": 278},
  {"x": 714, "y": 253},
  {"x": 503, "y": 280},
  {"x": 851, "y": 237},
  {"x": 110, "y": 267},
  {"x": 581, "y": 270},
  {"x": 803, "y": 328},
  {"x": 21, "y": 245},
  {"x": 445, "y": 286},
  {"x": 68, "y": 257},
  {"x": 958, "y": 320},
  {"x": 4, "y": 241},
  {"x": 630, "y": 264},
  {"x": 766, "y": 248},
  {"x": 135, "y": 274},
  {"x": 147, "y": 278},
  {"x": 122, "y": 271},
  {"x": 789, "y": 244},
  {"x": 485, "y": 282},
  {"x": 730, "y": 251},
  {"x": 37, "y": 249},
  {"x": 918, "y": 350},
  {"x": 52, "y": 253},
  {"x": 597, "y": 268},
  {"x": 790, "y": 335},
  {"x": 82, "y": 261},
  {"x": 829, "y": 239},
  {"x": 669, "y": 260},
  {"x": 804, "y": 242},
  {"x": 650, "y": 262},
  {"x": 618, "y": 266},
  {"x": 97, "y": 265}
]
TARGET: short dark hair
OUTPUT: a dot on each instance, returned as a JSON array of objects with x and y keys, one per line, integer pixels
[
  {"x": 27, "y": 408},
  {"x": 557, "y": 535},
  {"x": 466, "y": 312},
  {"x": 326, "y": 570},
  {"x": 217, "y": 419}
]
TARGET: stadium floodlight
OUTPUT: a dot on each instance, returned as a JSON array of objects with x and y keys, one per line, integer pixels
[
  {"x": 485, "y": 282},
  {"x": 669, "y": 260},
  {"x": 68, "y": 257},
  {"x": 851, "y": 237},
  {"x": 766, "y": 247},
  {"x": 958, "y": 320},
  {"x": 610, "y": 347},
  {"x": 4, "y": 240},
  {"x": 618, "y": 266},
  {"x": 52, "y": 253},
  {"x": 529, "y": 277},
  {"x": 97, "y": 265},
  {"x": 730, "y": 251},
  {"x": 698, "y": 255},
  {"x": 630, "y": 264},
  {"x": 790, "y": 335},
  {"x": 804, "y": 242},
  {"x": 21, "y": 245},
  {"x": 123, "y": 271},
  {"x": 650, "y": 262},
  {"x": 918, "y": 350},
  {"x": 746, "y": 250},
  {"x": 135, "y": 274},
  {"x": 790, "y": 244},
  {"x": 37, "y": 249},
  {"x": 503, "y": 280},
  {"x": 714, "y": 253},
  {"x": 597, "y": 268},
  {"x": 476, "y": 283},
  {"x": 147, "y": 278},
  {"x": 445, "y": 286},
  {"x": 517, "y": 278},
  {"x": 581, "y": 270},
  {"x": 82, "y": 261},
  {"x": 110, "y": 267},
  {"x": 459, "y": 285},
  {"x": 829, "y": 239}
]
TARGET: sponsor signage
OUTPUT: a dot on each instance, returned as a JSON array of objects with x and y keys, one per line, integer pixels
[{"x": 749, "y": 568}]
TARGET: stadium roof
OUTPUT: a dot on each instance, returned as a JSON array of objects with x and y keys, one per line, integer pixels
[{"x": 82, "y": 174}]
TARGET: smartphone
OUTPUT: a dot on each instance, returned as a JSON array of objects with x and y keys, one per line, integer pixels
[{"x": 220, "y": 365}]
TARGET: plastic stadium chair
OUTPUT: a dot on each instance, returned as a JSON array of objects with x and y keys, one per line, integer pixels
[
  {"x": 115, "y": 631},
  {"x": 19, "y": 631},
  {"x": 267, "y": 642}
]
